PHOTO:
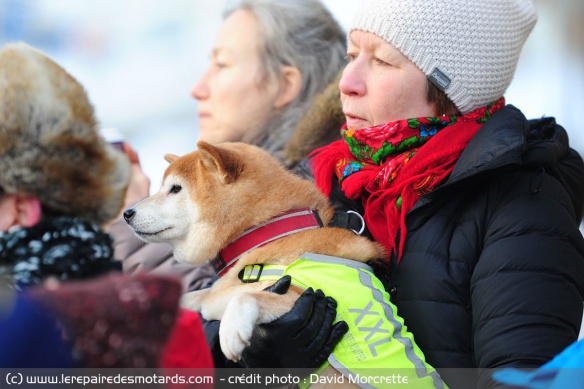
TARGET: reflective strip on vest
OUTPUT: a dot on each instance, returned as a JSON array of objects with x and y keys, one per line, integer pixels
[{"x": 377, "y": 343}]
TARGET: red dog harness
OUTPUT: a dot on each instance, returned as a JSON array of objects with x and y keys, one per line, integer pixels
[{"x": 286, "y": 224}]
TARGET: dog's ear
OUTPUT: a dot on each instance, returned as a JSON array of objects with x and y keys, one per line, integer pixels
[
  {"x": 170, "y": 158},
  {"x": 227, "y": 165}
]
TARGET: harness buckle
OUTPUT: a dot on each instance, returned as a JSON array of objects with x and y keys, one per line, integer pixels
[
  {"x": 362, "y": 222},
  {"x": 250, "y": 274}
]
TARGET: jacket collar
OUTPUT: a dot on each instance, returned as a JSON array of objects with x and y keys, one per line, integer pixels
[
  {"x": 509, "y": 139},
  {"x": 499, "y": 142}
]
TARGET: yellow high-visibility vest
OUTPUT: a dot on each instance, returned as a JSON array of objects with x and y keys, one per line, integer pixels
[{"x": 377, "y": 350}]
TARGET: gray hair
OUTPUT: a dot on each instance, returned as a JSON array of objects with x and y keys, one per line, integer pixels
[{"x": 302, "y": 34}]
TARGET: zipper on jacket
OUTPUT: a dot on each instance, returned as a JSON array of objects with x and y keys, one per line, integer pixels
[
  {"x": 394, "y": 256},
  {"x": 385, "y": 274}
]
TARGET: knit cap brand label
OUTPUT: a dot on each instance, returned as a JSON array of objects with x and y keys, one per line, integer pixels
[{"x": 439, "y": 79}]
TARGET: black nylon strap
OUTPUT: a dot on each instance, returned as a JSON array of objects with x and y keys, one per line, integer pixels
[{"x": 349, "y": 220}]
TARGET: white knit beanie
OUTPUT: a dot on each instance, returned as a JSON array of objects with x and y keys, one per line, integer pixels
[{"x": 467, "y": 48}]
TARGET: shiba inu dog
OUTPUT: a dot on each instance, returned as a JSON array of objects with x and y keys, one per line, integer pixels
[{"x": 234, "y": 202}]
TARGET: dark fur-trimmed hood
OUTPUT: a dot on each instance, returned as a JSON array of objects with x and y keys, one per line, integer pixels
[
  {"x": 320, "y": 125},
  {"x": 49, "y": 144}
]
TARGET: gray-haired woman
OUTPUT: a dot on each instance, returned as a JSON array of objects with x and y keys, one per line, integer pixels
[{"x": 270, "y": 60}]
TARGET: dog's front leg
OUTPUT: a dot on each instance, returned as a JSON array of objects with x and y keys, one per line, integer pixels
[
  {"x": 194, "y": 300},
  {"x": 245, "y": 311}
]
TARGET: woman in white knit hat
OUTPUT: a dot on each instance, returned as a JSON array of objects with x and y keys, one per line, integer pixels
[{"x": 477, "y": 207}]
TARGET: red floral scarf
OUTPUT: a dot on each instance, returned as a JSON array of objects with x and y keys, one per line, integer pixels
[{"x": 377, "y": 164}]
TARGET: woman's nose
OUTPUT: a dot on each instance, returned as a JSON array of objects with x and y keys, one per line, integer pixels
[
  {"x": 200, "y": 90},
  {"x": 353, "y": 80}
]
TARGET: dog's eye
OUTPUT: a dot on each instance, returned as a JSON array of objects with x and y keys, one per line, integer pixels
[{"x": 175, "y": 189}]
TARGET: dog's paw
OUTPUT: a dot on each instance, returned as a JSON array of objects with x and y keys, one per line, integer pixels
[
  {"x": 237, "y": 327},
  {"x": 193, "y": 300}
]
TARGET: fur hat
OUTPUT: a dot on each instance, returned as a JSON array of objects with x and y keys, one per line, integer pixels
[
  {"x": 469, "y": 49},
  {"x": 50, "y": 147}
]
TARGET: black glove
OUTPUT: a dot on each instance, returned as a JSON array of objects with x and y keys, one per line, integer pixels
[{"x": 301, "y": 338}]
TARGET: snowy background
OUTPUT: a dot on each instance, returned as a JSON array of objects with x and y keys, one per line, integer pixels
[{"x": 139, "y": 58}]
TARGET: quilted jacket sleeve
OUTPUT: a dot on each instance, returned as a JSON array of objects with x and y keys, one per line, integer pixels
[
  {"x": 528, "y": 285},
  {"x": 156, "y": 258}
]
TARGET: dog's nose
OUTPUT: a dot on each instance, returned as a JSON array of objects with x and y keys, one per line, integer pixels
[{"x": 129, "y": 214}]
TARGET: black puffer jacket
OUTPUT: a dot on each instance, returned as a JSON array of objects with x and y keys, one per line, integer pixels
[{"x": 492, "y": 273}]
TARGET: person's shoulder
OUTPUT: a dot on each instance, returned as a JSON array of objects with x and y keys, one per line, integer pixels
[{"x": 548, "y": 149}]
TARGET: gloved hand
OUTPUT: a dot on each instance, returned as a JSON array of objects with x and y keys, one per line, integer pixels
[{"x": 302, "y": 338}]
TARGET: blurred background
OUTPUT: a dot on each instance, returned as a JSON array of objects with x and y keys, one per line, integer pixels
[{"x": 138, "y": 59}]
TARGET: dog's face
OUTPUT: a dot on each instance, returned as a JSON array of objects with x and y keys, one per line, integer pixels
[
  {"x": 166, "y": 217},
  {"x": 210, "y": 196}
]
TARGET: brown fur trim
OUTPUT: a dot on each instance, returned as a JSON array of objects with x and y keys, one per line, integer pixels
[
  {"x": 320, "y": 126},
  {"x": 49, "y": 144}
]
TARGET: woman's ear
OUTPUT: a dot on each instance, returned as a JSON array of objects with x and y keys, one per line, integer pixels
[
  {"x": 290, "y": 84},
  {"x": 28, "y": 211},
  {"x": 18, "y": 210}
]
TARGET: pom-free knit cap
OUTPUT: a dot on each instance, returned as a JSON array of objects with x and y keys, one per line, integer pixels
[
  {"x": 467, "y": 48},
  {"x": 50, "y": 147}
]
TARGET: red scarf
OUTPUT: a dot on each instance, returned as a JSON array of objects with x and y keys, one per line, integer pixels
[{"x": 377, "y": 164}]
